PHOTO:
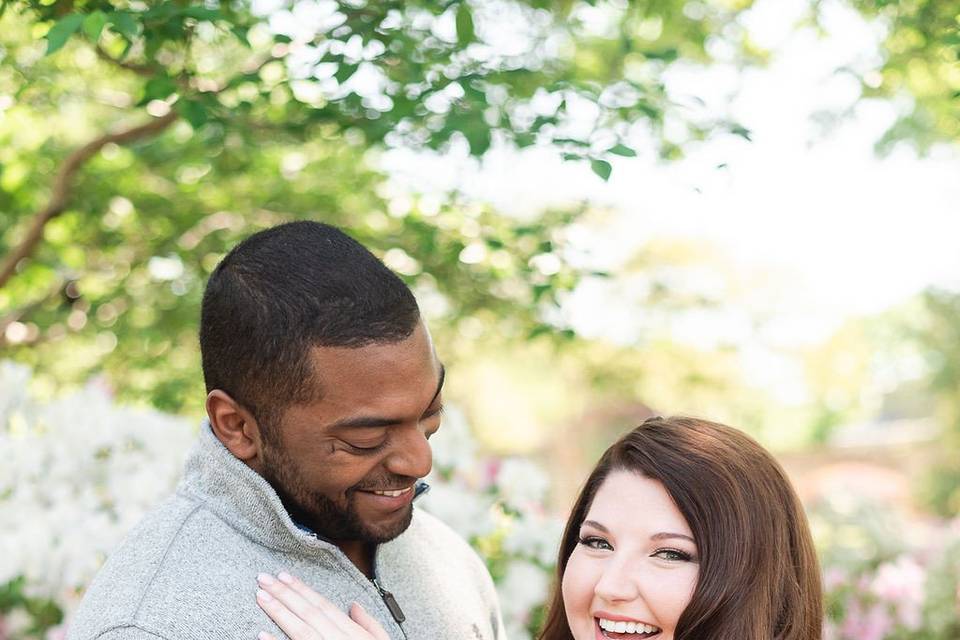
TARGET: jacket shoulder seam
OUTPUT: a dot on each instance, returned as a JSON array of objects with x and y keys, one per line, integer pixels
[
  {"x": 130, "y": 625},
  {"x": 166, "y": 552}
]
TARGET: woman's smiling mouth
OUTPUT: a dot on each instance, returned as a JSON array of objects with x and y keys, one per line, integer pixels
[{"x": 617, "y": 629}]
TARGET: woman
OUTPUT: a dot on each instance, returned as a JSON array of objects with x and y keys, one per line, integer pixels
[{"x": 685, "y": 530}]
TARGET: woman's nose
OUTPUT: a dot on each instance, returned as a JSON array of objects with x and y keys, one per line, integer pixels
[{"x": 619, "y": 582}]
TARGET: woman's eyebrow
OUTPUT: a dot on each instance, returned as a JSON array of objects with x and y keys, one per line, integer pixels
[
  {"x": 595, "y": 525},
  {"x": 664, "y": 535}
]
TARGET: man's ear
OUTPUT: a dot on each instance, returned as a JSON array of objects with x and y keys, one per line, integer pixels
[{"x": 234, "y": 426}]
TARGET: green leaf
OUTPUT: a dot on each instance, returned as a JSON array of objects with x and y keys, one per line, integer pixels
[
  {"x": 241, "y": 34},
  {"x": 539, "y": 330},
  {"x": 344, "y": 72},
  {"x": 573, "y": 141},
  {"x": 194, "y": 112},
  {"x": 622, "y": 150},
  {"x": 203, "y": 13},
  {"x": 602, "y": 168},
  {"x": 479, "y": 139},
  {"x": 741, "y": 131},
  {"x": 158, "y": 88},
  {"x": 667, "y": 55},
  {"x": 93, "y": 25},
  {"x": 465, "y": 30},
  {"x": 124, "y": 23},
  {"x": 62, "y": 30}
]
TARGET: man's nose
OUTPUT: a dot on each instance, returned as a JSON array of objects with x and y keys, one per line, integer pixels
[
  {"x": 411, "y": 455},
  {"x": 619, "y": 582}
]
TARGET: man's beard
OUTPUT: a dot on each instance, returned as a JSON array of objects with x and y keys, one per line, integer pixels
[{"x": 329, "y": 519}]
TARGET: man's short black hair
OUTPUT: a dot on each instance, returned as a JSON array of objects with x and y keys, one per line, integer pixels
[{"x": 283, "y": 291}]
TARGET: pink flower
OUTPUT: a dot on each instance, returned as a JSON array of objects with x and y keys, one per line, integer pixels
[
  {"x": 834, "y": 578},
  {"x": 58, "y": 632},
  {"x": 901, "y": 584},
  {"x": 873, "y": 624}
]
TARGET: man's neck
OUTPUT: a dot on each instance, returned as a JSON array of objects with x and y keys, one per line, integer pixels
[{"x": 360, "y": 554}]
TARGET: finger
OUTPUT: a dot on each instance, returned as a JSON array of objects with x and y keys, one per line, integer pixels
[
  {"x": 314, "y": 617},
  {"x": 263, "y": 635},
  {"x": 335, "y": 616},
  {"x": 368, "y": 622},
  {"x": 292, "y": 625},
  {"x": 306, "y": 592}
]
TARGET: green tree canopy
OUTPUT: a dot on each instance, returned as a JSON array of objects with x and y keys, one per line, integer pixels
[
  {"x": 920, "y": 64},
  {"x": 140, "y": 140}
]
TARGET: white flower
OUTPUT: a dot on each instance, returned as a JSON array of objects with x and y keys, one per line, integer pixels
[
  {"x": 453, "y": 446},
  {"x": 534, "y": 536},
  {"x": 523, "y": 587},
  {"x": 467, "y": 513},
  {"x": 78, "y": 472},
  {"x": 521, "y": 483}
]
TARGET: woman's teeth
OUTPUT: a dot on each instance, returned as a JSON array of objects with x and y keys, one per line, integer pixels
[{"x": 621, "y": 626}]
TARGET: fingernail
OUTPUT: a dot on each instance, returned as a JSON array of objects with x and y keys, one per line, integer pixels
[
  {"x": 263, "y": 595},
  {"x": 264, "y": 578},
  {"x": 263, "y": 635},
  {"x": 283, "y": 576}
]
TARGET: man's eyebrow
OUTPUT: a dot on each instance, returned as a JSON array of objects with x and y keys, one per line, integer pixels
[
  {"x": 376, "y": 422},
  {"x": 663, "y": 535}
]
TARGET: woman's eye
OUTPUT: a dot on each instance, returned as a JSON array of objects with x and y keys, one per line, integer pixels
[
  {"x": 673, "y": 555},
  {"x": 593, "y": 542}
]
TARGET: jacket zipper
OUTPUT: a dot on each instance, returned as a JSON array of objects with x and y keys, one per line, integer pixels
[
  {"x": 390, "y": 601},
  {"x": 392, "y": 605}
]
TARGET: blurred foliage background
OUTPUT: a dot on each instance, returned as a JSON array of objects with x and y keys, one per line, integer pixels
[{"x": 140, "y": 140}]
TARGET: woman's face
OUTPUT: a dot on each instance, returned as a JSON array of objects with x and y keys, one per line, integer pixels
[{"x": 635, "y": 567}]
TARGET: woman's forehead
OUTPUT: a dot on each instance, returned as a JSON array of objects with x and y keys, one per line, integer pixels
[{"x": 631, "y": 502}]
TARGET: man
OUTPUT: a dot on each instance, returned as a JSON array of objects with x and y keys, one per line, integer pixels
[{"x": 323, "y": 389}]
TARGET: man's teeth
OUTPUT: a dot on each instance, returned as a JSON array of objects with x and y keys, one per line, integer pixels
[
  {"x": 621, "y": 626},
  {"x": 392, "y": 494}
]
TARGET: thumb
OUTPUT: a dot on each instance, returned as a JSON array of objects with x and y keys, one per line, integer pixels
[{"x": 368, "y": 622}]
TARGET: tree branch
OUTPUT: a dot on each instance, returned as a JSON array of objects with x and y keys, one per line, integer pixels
[
  {"x": 139, "y": 69},
  {"x": 62, "y": 185},
  {"x": 23, "y": 312}
]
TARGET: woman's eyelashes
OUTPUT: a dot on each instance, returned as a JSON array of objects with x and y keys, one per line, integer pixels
[
  {"x": 674, "y": 555},
  {"x": 594, "y": 542},
  {"x": 669, "y": 554}
]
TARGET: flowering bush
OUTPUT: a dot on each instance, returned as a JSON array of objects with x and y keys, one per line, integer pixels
[
  {"x": 498, "y": 506},
  {"x": 882, "y": 585},
  {"x": 79, "y": 471}
]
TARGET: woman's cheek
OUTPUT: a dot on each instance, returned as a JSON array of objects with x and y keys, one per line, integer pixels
[
  {"x": 674, "y": 592},
  {"x": 577, "y": 587}
]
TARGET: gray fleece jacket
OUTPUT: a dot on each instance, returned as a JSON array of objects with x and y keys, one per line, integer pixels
[{"x": 188, "y": 570}]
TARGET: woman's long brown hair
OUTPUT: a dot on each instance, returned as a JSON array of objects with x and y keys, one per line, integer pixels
[{"x": 759, "y": 578}]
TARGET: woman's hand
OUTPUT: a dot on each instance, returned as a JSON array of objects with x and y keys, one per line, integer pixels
[{"x": 304, "y": 614}]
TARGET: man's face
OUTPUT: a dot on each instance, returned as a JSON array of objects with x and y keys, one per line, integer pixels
[{"x": 345, "y": 465}]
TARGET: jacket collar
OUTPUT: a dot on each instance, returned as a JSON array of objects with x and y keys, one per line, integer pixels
[{"x": 240, "y": 496}]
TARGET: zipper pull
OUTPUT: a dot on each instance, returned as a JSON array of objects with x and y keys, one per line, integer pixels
[{"x": 390, "y": 601}]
